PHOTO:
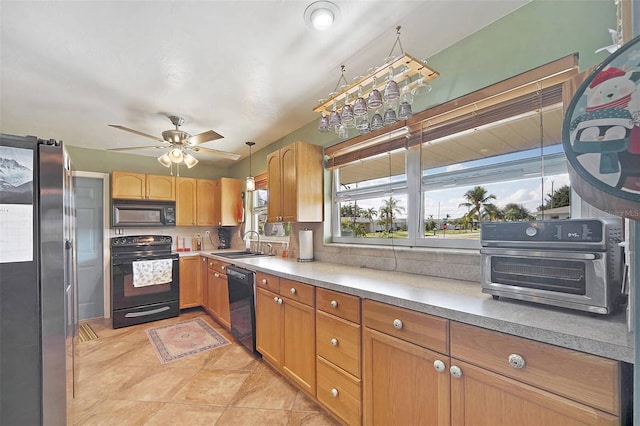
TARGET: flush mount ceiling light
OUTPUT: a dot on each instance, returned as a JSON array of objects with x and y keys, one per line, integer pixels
[{"x": 321, "y": 15}]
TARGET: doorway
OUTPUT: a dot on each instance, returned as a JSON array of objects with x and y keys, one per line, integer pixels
[{"x": 92, "y": 216}]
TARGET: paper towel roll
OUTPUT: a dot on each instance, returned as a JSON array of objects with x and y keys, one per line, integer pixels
[{"x": 305, "y": 237}]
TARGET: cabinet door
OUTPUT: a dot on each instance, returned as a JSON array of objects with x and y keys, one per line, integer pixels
[
  {"x": 289, "y": 194},
  {"x": 269, "y": 325},
  {"x": 274, "y": 186},
  {"x": 211, "y": 292},
  {"x": 401, "y": 385},
  {"x": 190, "y": 291},
  {"x": 299, "y": 357},
  {"x": 230, "y": 201},
  {"x": 204, "y": 272},
  {"x": 479, "y": 396},
  {"x": 222, "y": 300},
  {"x": 185, "y": 201},
  {"x": 161, "y": 187},
  {"x": 205, "y": 202},
  {"x": 126, "y": 185}
]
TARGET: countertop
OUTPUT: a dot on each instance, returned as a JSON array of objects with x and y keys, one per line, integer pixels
[{"x": 463, "y": 301}]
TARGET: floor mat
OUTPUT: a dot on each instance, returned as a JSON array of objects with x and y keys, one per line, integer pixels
[
  {"x": 86, "y": 333},
  {"x": 176, "y": 341}
]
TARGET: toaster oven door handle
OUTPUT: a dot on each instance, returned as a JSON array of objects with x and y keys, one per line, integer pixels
[{"x": 544, "y": 254}]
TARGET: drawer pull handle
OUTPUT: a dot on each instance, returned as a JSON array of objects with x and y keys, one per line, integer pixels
[
  {"x": 279, "y": 301},
  {"x": 264, "y": 281},
  {"x": 516, "y": 361},
  {"x": 439, "y": 365},
  {"x": 217, "y": 275},
  {"x": 333, "y": 304},
  {"x": 210, "y": 263},
  {"x": 455, "y": 371},
  {"x": 334, "y": 392},
  {"x": 223, "y": 267},
  {"x": 292, "y": 291},
  {"x": 397, "y": 324},
  {"x": 334, "y": 341}
]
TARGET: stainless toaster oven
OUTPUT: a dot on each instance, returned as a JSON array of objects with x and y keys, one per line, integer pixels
[{"x": 572, "y": 263}]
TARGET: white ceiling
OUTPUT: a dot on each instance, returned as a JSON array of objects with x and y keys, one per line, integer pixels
[{"x": 250, "y": 70}]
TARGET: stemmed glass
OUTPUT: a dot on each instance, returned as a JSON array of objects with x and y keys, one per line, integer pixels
[
  {"x": 375, "y": 98},
  {"x": 421, "y": 88},
  {"x": 323, "y": 123},
  {"x": 376, "y": 121},
  {"x": 346, "y": 117},
  {"x": 391, "y": 90},
  {"x": 389, "y": 116},
  {"x": 359, "y": 105},
  {"x": 334, "y": 117}
]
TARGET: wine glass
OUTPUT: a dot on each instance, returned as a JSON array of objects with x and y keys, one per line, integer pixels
[
  {"x": 376, "y": 121},
  {"x": 406, "y": 95},
  {"x": 391, "y": 90},
  {"x": 404, "y": 111},
  {"x": 334, "y": 117},
  {"x": 323, "y": 123},
  {"x": 346, "y": 116},
  {"x": 421, "y": 88},
  {"x": 375, "y": 98},
  {"x": 359, "y": 105},
  {"x": 389, "y": 116}
]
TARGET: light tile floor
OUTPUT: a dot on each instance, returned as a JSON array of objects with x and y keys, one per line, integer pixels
[{"x": 120, "y": 381}]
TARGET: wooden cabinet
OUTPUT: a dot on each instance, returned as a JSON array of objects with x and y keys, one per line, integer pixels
[
  {"x": 285, "y": 328},
  {"x": 227, "y": 202},
  {"x": 194, "y": 202},
  {"x": 139, "y": 186},
  {"x": 338, "y": 343},
  {"x": 218, "y": 292},
  {"x": 502, "y": 377},
  {"x": 401, "y": 384},
  {"x": 190, "y": 282},
  {"x": 203, "y": 275},
  {"x": 295, "y": 184}
]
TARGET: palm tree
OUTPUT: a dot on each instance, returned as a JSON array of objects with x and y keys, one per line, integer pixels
[
  {"x": 477, "y": 198},
  {"x": 386, "y": 212},
  {"x": 369, "y": 214},
  {"x": 493, "y": 212},
  {"x": 514, "y": 212}
]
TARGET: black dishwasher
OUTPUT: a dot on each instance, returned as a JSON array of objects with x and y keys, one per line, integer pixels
[{"x": 242, "y": 306}]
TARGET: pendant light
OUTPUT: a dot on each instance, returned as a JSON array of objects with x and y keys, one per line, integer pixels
[{"x": 251, "y": 183}]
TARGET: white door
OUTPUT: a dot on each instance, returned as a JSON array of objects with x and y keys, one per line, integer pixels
[{"x": 90, "y": 212}]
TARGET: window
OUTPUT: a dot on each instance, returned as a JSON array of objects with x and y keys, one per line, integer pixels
[
  {"x": 278, "y": 232},
  {"x": 495, "y": 157}
]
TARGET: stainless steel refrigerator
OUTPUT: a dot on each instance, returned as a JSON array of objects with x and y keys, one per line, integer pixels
[{"x": 37, "y": 282}]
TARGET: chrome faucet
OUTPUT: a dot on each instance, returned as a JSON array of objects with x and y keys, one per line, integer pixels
[{"x": 252, "y": 232}]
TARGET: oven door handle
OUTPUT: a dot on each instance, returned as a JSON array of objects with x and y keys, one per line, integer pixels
[
  {"x": 144, "y": 313},
  {"x": 545, "y": 254}
]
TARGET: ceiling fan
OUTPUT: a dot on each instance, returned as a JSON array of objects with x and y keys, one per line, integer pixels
[{"x": 179, "y": 144}]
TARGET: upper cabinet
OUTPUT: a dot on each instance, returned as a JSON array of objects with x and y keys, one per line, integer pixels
[
  {"x": 228, "y": 206},
  {"x": 295, "y": 184},
  {"x": 195, "y": 202},
  {"x": 139, "y": 186}
]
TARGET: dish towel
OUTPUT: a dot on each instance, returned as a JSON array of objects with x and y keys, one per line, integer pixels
[{"x": 152, "y": 272}]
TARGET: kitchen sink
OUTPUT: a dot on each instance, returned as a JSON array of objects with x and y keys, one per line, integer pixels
[{"x": 237, "y": 254}]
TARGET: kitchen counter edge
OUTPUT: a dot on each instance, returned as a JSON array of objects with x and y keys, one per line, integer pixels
[{"x": 461, "y": 301}]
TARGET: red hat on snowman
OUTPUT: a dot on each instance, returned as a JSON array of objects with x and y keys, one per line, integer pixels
[{"x": 605, "y": 75}]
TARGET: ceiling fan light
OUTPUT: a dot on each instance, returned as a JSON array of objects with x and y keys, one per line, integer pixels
[
  {"x": 176, "y": 155},
  {"x": 165, "y": 160},
  {"x": 190, "y": 160}
]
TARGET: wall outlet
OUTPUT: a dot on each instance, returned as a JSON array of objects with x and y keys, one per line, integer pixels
[{"x": 207, "y": 233}]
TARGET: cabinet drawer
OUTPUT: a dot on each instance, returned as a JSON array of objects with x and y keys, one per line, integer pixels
[
  {"x": 218, "y": 265},
  {"x": 339, "y": 392},
  {"x": 338, "y": 341},
  {"x": 582, "y": 377},
  {"x": 415, "y": 327},
  {"x": 297, "y": 291},
  {"x": 339, "y": 304},
  {"x": 270, "y": 282}
]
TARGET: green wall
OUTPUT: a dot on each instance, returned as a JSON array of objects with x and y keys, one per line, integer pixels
[{"x": 536, "y": 34}]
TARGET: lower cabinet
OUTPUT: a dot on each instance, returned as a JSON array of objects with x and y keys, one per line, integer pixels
[
  {"x": 190, "y": 282},
  {"x": 285, "y": 328},
  {"x": 218, "y": 293}
]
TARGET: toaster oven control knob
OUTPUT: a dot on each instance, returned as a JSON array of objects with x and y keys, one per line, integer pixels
[
  {"x": 455, "y": 371},
  {"x": 397, "y": 324},
  {"x": 438, "y": 365},
  {"x": 516, "y": 361},
  {"x": 531, "y": 231}
]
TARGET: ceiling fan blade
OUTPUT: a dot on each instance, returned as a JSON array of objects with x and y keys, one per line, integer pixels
[
  {"x": 137, "y": 132},
  {"x": 224, "y": 154},
  {"x": 207, "y": 136},
  {"x": 135, "y": 147}
]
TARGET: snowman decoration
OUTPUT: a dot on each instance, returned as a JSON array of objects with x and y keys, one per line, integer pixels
[{"x": 606, "y": 137}]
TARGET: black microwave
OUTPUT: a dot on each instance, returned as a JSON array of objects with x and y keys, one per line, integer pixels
[{"x": 139, "y": 213}]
